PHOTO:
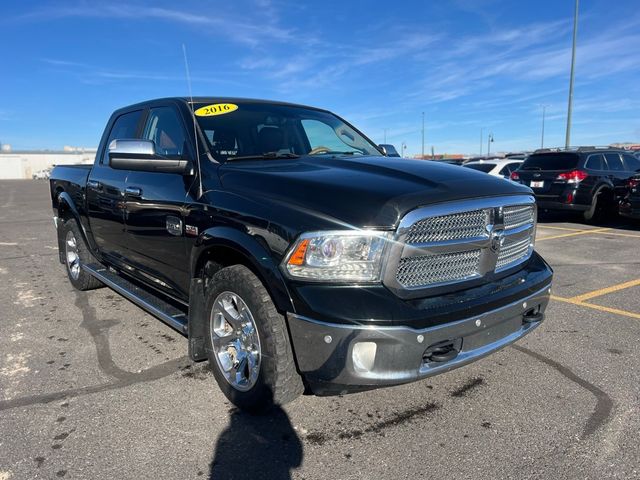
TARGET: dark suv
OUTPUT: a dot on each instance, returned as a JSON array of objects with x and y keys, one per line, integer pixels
[{"x": 589, "y": 180}]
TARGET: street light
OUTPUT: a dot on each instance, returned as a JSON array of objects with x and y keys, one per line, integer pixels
[
  {"x": 385, "y": 135},
  {"x": 573, "y": 63},
  {"x": 422, "y": 135},
  {"x": 481, "y": 132},
  {"x": 489, "y": 142},
  {"x": 403, "y": 149},
  {"x": 544, "y": 108}
]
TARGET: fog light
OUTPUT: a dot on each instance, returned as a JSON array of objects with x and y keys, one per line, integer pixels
[{"x": 364, "y": 356}]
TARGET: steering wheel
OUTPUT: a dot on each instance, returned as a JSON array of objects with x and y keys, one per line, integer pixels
[{"x": 318, "y": 150}]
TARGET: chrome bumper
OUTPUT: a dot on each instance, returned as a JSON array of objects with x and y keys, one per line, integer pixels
[{"x": 325, "y": 351}]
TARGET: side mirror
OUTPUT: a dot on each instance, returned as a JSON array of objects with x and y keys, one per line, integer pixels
[
  {"x": 141, "y": 155},
  {"x": 388, "y": 150}
]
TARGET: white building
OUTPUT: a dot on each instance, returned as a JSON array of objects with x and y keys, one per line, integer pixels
[{"x": 23, "y": 164}]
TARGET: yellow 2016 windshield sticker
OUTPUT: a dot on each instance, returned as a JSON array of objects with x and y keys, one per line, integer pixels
[{"x": 216, "y": 109}]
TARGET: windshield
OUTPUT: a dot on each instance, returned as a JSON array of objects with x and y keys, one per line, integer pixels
[
  {"x": 263, "y": 130},
  {"x": 551, "y": 161},
  {"x": 483, "y": 167}
]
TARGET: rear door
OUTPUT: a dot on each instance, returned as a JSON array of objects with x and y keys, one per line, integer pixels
[
  {"x": 105, "y": 191},
  {"x": 155, "y": 208}
]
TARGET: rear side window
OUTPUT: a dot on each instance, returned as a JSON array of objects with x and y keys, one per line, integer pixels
[
  {"x": 595, "y": 162},
  {"x": 165, "y": 129},
  {"x": 551, "y": 161},
  {"x": 631, "y": 163},
  {"x": 508, "y": 168},
  {"x": 125, "y": 126},
  {"x": 614, "y": 162},
  {"x": 482, "y": 167}
]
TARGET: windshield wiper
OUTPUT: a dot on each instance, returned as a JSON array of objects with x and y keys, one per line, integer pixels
[{"x": 265, "y": 156}]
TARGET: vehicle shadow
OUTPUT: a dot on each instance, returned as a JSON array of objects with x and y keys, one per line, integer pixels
[
  {"x": 257, "y": 446},
  {"x": 611, "y": 221}
]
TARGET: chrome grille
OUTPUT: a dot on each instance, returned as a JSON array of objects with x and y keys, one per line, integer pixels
[
  {"x": 513, "y": 250},
  {"x": 450, "y": 243},
  {"x": 518, "y": 215},
  {"x": 432, "y": 269},
  {"x": 457, "y": 226}
]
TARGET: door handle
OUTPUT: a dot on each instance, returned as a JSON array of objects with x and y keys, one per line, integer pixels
[
  {"x": 133, "y": 191},
  {"x": 94, "y": 184}
]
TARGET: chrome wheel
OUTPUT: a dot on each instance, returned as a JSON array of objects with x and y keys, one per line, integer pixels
[
  {"x": 73, "y": 257},
  {"x": 235, "y": 341}
]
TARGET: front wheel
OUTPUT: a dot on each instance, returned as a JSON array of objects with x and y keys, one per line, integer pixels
[{"x": 248, "y": 344}]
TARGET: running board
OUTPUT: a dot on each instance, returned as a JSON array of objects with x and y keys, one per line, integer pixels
[{"x": 145, "y": 300}]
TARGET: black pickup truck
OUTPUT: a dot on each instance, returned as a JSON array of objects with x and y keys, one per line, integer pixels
[{"x": 292, "y": 253}]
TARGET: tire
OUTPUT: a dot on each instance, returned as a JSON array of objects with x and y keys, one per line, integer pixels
[
  {"x": 76, "y": 254},
  {"x": 600, "y": 204},
  {"x": 256, "y": 346}
]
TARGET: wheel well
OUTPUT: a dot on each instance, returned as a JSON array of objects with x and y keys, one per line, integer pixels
[{"x": 217, "y": 258}]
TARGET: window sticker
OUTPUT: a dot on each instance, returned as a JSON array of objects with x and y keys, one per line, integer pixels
[{"x": 216, "y": 109}]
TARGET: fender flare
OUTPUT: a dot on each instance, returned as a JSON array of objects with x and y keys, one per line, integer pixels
[
  {"x": 65, "y": 203},
  {"x": 258, "y": 258}
]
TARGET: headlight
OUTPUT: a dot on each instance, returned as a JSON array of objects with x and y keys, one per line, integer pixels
[{"x": 338, "y": 256}]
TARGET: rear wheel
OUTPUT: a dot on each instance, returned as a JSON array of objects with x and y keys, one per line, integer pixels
[
  {"x": 248, "y": 344},
  {"x": 600, "y": 207},
  {"x": 76, "y": 254}
]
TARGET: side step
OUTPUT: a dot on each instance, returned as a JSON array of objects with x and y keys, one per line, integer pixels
[{"x": 145, "y": 300}]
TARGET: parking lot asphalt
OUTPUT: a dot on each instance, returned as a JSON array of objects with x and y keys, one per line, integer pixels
[{"x": 92, "y": 387}]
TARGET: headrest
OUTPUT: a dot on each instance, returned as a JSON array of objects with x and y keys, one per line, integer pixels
[{"x": 270, "y": 139}]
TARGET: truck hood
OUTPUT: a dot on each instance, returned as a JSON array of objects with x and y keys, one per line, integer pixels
[{"x": 362, "y": 192}]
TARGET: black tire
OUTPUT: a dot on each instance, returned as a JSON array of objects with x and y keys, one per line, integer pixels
[
  {"x": 80, "y": 279},
  {"x": 600, "y": 206},
  {"x": 277, "y": 381}
]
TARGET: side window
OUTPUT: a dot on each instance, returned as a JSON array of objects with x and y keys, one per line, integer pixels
[
  {"x": 614, "y": 162},
  {"x": 165, "y": 129},
  {"x": 125, "y": 126},
  {"x": 508, "y": 168},
  {"x": 631, "y": 163},
  {"x": 595, "y": 162}
]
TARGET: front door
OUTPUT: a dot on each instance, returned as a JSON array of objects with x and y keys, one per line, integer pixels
[{"x": 154, "y": 209}]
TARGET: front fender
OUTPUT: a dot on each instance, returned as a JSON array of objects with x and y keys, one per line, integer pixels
[{"x": 257, "y": 256}]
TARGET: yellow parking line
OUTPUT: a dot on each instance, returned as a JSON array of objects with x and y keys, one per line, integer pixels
[
  {"x": 617, "y": 311},
  {"x": 604, "y": 291},
  {"x": 581, "y": 232},
  {"x": 619, "y": 234},
  {"x": 562, "y": 228}
]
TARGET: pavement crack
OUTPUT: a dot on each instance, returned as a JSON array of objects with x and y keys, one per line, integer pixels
[{"x": 604, "y": 405}]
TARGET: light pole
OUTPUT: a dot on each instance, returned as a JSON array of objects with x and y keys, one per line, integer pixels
[
  {"x": 573, "y": 64},
  {"x": 403, "y": 148},
  {"x": 489, "y": 140},
  {"x": 423, "y": 135},
  {"x": 481, "y": 132},
  {"x": 385, "y": 135},
  {"x": 544, "y": 109}
]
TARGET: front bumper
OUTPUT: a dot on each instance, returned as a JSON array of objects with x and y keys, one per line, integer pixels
[{"x": 325, "y": 351}]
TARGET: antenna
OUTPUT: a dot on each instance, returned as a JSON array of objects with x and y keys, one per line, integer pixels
[{"x": 193, "y": 115}]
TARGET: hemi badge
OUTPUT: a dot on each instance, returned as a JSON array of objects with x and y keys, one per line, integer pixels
[{"x": 191, "y": 230}]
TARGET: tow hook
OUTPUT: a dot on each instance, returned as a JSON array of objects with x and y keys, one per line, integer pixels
[
  {"x": 533, "y": 316},
  {"x": 444, "y": 351}
]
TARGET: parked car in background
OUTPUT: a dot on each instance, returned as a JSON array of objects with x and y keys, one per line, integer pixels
[
  {"x": 630, "y": 204},
  {"x": 588, "y": 180},
  {"x": 43, "y": 174},
  {"x": 496, "y": 167}
]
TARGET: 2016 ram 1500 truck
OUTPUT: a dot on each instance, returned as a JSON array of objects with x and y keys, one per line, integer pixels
[{"x": 292, "y": 253}]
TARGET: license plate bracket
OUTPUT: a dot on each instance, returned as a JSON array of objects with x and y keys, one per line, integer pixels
[{"x": 537, "y": 184}]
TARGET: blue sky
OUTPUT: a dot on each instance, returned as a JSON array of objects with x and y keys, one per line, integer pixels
[{"x": 467, "y": 64}]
